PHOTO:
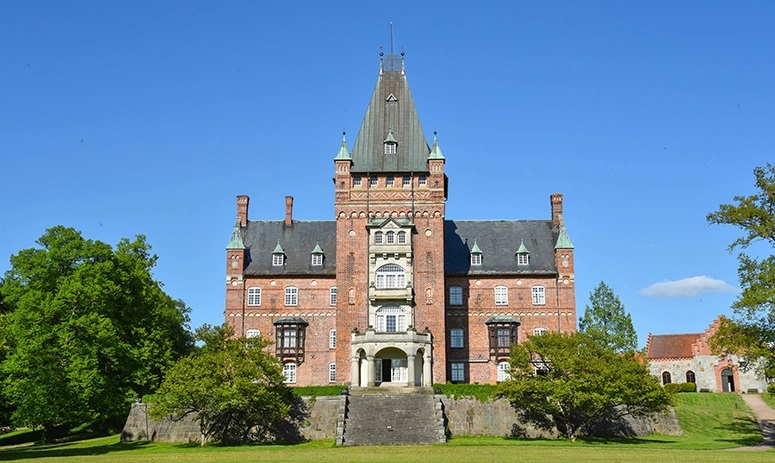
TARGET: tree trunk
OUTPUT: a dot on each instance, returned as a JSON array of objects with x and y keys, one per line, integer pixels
[{"x": 48, "y": 433}]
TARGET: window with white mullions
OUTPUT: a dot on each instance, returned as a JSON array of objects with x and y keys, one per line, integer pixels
[
  {"x": 390, "y": 276},
  {"x": 391, "y": 319}
]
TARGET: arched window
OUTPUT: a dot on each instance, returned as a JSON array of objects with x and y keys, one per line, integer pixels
[
  {"x": 690, "y": 378},
  {"x": 378, "y": 237},
  {"x": 402, "y": 237},
  {"x": 390, "y": 237},
  {"x": 252, "y": 333},
  {"x": 391, "y": 276},
  {"x": 391, "y": 319},
  {"x": 666, "y": 378}
]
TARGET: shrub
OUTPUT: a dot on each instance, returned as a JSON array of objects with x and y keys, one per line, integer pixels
[
  {"x": 687, "y": 387},
  {"x": 317, "y": 391},
  {"x": 672, "y": 388},
  {"x": 482, "y": 392}
]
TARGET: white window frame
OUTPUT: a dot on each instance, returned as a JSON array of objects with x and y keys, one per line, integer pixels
[
  {"x": 390, "y": 276},
  {"x": 456, "y": 338},
  {"x": 290, "y": 338},
  {"x": 278, "y": 259},
  {"x": 252, "y": 333},
  {"x": 332, "y": 339},
  {"x": 501, "y": 295},
  {"x": 422, "y": 180},
  {"x": 378, "y": 237},
  {"x": 523, "y": 258},
  {"x": 317, "y": 259},
  {"x": 476, "y": 259},
  {"x": 391, "y": 319},
  {"x": 391, "y": 148},
  {"x": 401, "y": 237},
  {"x": 332, "y": 296},
  {"x": 254, "y": 296},
  {"x": 538, "y": 295},
  {"x": 373, "y": 181},
  {"x": 289, "y": 373},
  {"x": 390, "y": 180},
  {"x": 539, "y": 331},
  {"x": 291, "y": 296},
  {"x": 458, "y": 372},
  {"x": 406, "y": 181},
  {"x": 357, "y": 181},
  {"x": 455, "y": 295},
  {"x": 390, "y": 237},
  {"x": 332, "y": 372},
  {"x": 504, "y": 371}
]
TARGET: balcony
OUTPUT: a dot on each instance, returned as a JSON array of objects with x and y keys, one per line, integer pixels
[{"x": 393, "y": 294}]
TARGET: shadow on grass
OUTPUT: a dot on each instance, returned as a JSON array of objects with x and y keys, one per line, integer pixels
[
  {"x": 747, "y": 430},
  {"x": 65, "y": 449}
]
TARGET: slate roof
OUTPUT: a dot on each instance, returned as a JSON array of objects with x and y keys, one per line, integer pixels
[
  {"x": 662, "y": 346},
  {"x": 499, "y": 241},
  {"x": 391, "y": 108},
  {"x": 298, "y": 241}
]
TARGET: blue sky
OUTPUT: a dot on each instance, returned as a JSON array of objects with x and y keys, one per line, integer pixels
[{"x": 131, "y": 118}]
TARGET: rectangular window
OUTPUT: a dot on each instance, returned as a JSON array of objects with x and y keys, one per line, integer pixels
[
  {"x": 476, "y": 259},
  {"x": 372, "y": 181},
  {"x": 455, "y": 295},
  {"x": 332, "y": 296},
  {"x": 278, "y": 259},
  {"x": 390, "y": 148},
  {"x": 289, "y": 338},
  {"x": 317, "y": 259},
  {"x": 289, "y": 373},
  {"x": 401, "y": 237},
  {"x": 252, "y": 333},
  {"x": 407, "y": 181},
  {"x": 458, "y": 372},
  {"x": 522, "y": 259},
  {"x": 456, "y": 338},
  {"x": 390, "y": 237},
  {"x": 390, "y": 180},
  {"x": 332, "y": 339},
  {"x": 291, "y": 296},
  {"x": 504, "y": 371},
  {"x": 423, "y": 180},
  {"x": 504, "y": 337},
  {"x": 332, "y": 372},
  {"x": 539, "y": 295},
  {"x": 356, "y": 181},
  {"x": 501, "y": 295},
  {"x": 254, "y": 296}
]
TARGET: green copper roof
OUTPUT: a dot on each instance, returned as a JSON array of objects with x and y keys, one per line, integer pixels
[
  {"x": 522, "y": 249},
  {"x": 343, "y": 154},
  {"x": 436, "y": 150},
  {"x": 563, "y": 241},
  {"x": 475, "y": 249},
  {"x": 278, "y": 249},
  {"x": 236, "y": 239},
  {"x": 391, "y": 108},
  {"x": 317, "y": 249},
  {"x": 390, "y": 138}
]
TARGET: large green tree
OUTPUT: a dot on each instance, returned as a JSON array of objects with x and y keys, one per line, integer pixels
[
  {"x": 232, "y": 385},
  {"x": 88, "y": 329},
  {"x": 752, "y": 332},
  {"x": 569, "y": 381},
  {"x": 606, "y": 321}
]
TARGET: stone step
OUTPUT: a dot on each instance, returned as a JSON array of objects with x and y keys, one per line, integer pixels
[{"x": 378, "y": 419}]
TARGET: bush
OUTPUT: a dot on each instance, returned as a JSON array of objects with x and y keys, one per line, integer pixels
[
  {"x": 680, "y": 387},
  {"x": 672, "y": 388},
  {"x": 317, "y": 391}
]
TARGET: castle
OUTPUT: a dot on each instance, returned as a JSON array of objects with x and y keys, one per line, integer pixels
[{"x": 391, "y": 292}]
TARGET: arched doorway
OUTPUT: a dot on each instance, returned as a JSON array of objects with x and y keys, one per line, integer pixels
[
  {"x": 391, "y": 367},
  {"x": 727, "y": 380}
]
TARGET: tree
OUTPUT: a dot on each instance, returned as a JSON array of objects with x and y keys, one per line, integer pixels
[
  {"x": 606, "y": 321},
  {"x": 752, "y": 333},
  {"x": 234, "y": 387},
  {"x": 570, "y": 382},
  {"x": 88, "y": 330}
]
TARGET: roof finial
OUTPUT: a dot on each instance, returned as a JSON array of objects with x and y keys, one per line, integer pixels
[{"x": 391, "y": 37}]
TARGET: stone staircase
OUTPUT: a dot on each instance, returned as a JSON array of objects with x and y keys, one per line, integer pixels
[{"x": 392, "y": 417}]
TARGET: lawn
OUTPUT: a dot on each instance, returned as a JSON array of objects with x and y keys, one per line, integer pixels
[{"x": 712, "y": 423}]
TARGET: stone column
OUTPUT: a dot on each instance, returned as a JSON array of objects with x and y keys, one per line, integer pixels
[
  {"x": 370, "y": 371},
  {"x": 427, "y": 373},
  {"x": 355, "y": 372},
  {"x": 410, "y": 366}
]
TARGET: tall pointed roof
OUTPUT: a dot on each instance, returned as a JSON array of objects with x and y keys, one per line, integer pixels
[
  {"x": 236, "y": 239},
  {"x": 343, "y": 154},
  {"x": 391, "y": 111}
]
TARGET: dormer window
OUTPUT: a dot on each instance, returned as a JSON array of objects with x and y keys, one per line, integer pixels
[
  {"x": 476, "y": 255},
  {"x": 278, "y": 255},
  {"x": 523, "y": 256},
  {"x": 391, "y": 145},
  {"x": 317, "y": 255}
]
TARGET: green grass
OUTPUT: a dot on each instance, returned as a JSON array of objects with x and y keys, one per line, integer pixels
[
  {"x": 712, "y": 422},
  {"x": 769, "y": 399}
]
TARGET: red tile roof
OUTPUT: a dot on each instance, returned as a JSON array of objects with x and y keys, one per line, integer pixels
[{"x": 662, "y": 346}]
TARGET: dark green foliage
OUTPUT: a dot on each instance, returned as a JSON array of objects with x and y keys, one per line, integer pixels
[
  {"x": 752, "y": 333},
  {"x": 482, "y": 392},
  {"x": 87, "y": 330},
  {"x": 606, "y": 321},
  {"x": 234, "y": 386},
  {"x": 571, "y": 382},
  {"x": 317, "y": 391}
]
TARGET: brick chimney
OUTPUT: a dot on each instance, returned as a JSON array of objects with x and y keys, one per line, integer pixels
[
  {"x": 242, "y": 210},
  {"x": 288, "y": 211},
  {"x": 556, "y": 200}
]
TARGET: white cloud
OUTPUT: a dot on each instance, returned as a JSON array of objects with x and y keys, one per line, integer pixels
[{"x": 688, "y": 287}]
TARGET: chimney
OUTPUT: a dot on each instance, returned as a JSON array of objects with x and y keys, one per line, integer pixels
[
  {"x": 288, "y": 211},
  {"x": 242, "y": 210},
  {"x": 556, "y": 200}
]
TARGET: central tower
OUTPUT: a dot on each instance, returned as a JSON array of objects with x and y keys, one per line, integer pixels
[{"x": 390, "y": 194}]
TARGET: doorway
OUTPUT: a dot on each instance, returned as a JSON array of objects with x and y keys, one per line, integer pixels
[{"x": 727, "y": 380}]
